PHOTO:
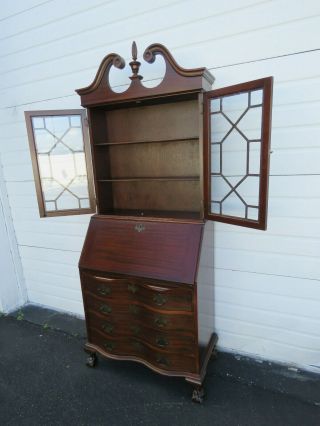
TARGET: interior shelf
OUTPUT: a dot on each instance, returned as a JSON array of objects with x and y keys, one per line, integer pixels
[
  {"x": 154, "y": 213},
  {"x": 158, "y": 179},
  {"x": 147, "y": 159},
  {"x": 146, "y": 141}
]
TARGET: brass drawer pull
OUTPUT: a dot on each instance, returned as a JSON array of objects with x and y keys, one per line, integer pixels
[
  {"x": 159, "y": 299},
  {"x": 162, "y": 342},
  {"x": 133, "y": 309},
  {"x": 105, "y": 309},
  {"x": 163, "y": 361},
  {"x": 108, "y": 327},
  {"x": 109, "y": 346},
  {"x": 103, "y": 290},
  {"x": 160, "y": 321},
  {"x": 132, "y": 288},
  {"x": 135, "y": 329}
]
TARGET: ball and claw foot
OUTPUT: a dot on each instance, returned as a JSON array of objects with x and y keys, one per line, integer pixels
[
  {"x": 198, "y": 394},
  {"x": 91, "y": 360}
]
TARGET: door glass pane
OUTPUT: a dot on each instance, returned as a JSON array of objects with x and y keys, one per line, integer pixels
[
  {"x": 62, "y": 165},
  {"x": 238, "y": 141}
]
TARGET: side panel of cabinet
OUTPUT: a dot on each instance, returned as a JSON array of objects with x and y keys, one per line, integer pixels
[{"x": 237, "y": 126}]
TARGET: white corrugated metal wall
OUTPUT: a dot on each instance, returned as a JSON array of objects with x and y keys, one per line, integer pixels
[
  {"x": 267, "y": 284},
  {"x": 12, "y": 286}
]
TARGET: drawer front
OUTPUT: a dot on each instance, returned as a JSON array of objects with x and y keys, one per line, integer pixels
[
  {"x": 134, "y": 347},
  {"x": 128, "y": 290},
  {"x": 106, "y": 307},
  {"x": 127, "y": 326},
  {"x": 138, "y": 318},
  {"x": 174, "y": 298},
  {"x": 183, "y": 322},
  {"x": 104, "y": 286},
  {"x": 122, "y": 313}
]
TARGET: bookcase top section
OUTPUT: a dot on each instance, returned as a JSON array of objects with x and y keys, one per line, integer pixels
[{"x": 176, "y": 81}]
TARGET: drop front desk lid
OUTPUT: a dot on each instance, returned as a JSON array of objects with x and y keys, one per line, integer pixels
[{"x": 166, "y": 250}]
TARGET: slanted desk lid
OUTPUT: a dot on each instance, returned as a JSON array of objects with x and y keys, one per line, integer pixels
[{"x": 148, "y": 248}]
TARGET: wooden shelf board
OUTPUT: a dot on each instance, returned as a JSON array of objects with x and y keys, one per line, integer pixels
[
  {"x": 148, "y": 141},
  {"x": 157, "y": 179},
  {"x": 152, "y": 213}
]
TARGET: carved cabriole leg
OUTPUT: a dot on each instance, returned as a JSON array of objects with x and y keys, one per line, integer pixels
[
  {"x": 92, "y": 358},
  {"x": 197, "y": 380},
  {"x": 198, "y": 394}
]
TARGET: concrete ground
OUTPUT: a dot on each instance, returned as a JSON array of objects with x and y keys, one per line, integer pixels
[{"x": 44, "y": 381}]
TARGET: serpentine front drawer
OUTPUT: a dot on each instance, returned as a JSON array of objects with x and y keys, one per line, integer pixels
[{"x": 168, "y": 296}]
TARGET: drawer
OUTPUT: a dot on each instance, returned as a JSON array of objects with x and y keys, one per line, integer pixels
[
  {"x": 168, "y": 340},
  {"x": 129, "y": 290},
  {"x": 122, "y": 312},
  {"x": 104, "y": 286},
  {"x": 164, "y": 297},
  {"x": 133, "y": 347},
  {"x": 163, "y": 320},
  {"x": 106, "y": 307}
]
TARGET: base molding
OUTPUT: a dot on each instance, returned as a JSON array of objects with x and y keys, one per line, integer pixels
[{"x": 193, "y": 378}]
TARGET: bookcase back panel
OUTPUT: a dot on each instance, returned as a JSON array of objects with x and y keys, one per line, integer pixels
[
  {"x": 179, "y": 158},
  {"x": 157, "y": 195},
  {"x": 147, "y": 157},
  {"x": 154, "y": 122}
]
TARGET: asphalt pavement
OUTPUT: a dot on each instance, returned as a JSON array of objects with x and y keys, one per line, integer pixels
[{"x": 44, "y": 381}]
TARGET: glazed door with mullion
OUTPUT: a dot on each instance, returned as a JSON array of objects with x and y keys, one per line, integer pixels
[{"x": 237, "y": 124}]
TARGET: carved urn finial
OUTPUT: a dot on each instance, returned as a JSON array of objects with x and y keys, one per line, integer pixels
[{"x": 134, "y": 64}]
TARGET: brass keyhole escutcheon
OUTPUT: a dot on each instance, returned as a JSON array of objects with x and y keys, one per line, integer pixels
[{"x": 139, "y": 227}]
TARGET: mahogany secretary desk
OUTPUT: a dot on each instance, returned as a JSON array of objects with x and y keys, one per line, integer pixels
[{"x": 164, "y": 161}]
